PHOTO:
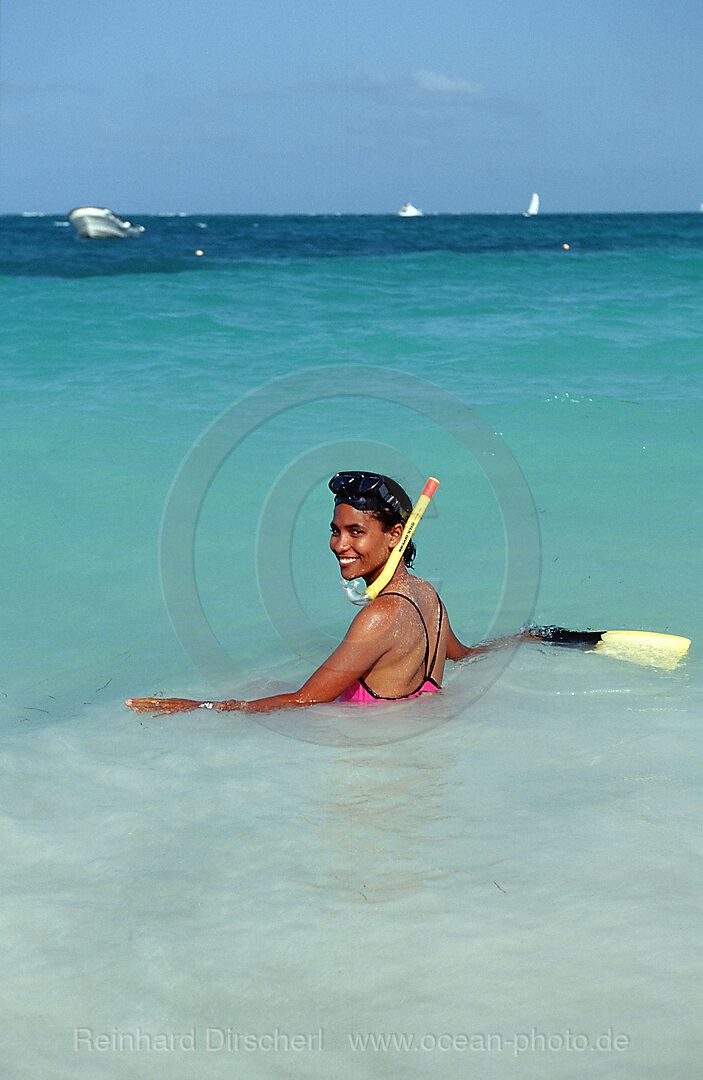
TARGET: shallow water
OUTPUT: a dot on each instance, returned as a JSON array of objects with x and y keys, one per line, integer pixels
[{"x": 514, "y": 862}]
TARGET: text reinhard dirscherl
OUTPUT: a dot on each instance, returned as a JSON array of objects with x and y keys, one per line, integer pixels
[
  {"x": 215, "y": 1040},
  {"x": 212, "y": 1040}
]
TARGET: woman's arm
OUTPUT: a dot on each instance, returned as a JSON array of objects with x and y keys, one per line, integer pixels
[
  {"x": 366, "y": 641},
  {"x": 456, "y": 650}
]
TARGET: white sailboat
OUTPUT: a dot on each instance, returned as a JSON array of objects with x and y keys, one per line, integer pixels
[
  {"x": 98, "y": 221},
  {"x": 533, "y": 208}
]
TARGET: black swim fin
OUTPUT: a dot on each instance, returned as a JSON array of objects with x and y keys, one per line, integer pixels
[{"x": 571, "y": 639}]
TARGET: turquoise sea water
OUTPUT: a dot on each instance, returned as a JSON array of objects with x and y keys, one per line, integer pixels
[{"x": 528, "y": 863}]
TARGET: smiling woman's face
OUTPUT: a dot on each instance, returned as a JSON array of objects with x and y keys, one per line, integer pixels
[{"x": 360, "y": 543}]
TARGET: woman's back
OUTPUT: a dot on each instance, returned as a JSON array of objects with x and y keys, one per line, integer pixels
[{"x": 415, "y": 629}]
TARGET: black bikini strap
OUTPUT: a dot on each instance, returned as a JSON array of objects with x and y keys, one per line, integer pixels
[
  {"x": 439, "y": 634},
  {"x": 429, "y": 669}
]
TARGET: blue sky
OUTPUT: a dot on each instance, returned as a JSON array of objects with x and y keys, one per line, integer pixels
[{"x": 328, "y": 106}]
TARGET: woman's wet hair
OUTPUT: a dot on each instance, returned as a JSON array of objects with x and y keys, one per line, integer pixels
[{"x": 389, "y": 518}]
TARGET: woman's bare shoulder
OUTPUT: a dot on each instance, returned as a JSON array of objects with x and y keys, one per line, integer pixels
[
  {"x": 421, "y": 591},
  {"x": 375, "y": 617}
]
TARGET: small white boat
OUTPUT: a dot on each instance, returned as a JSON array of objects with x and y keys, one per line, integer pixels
[
  {"x": 533, "y": 208},
  {"x": 98, "y": 222},
  {"x": 408, "y": 210}
]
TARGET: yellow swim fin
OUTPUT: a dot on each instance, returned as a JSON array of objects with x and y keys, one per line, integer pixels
[
  {"x": 640, "y": 647},
  {"x": 637, "y": 646}
]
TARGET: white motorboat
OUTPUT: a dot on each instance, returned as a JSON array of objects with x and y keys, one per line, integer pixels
[
  {"x": 408, "y": 210},
  {"x": 533, "y": 208},
  {"x": 98, "y": 222}
]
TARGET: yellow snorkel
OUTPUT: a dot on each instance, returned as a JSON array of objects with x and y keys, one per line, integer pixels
[{"x": 396, "y": 554}]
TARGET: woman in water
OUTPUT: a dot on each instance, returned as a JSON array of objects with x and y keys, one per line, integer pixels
[{"x": 396, "y": 646}]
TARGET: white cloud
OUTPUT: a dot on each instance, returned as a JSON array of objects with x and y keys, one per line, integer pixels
[
  {"x": 421, "y": 88},
  {"x": 437, "y": 85},
  {"x": 423, "y": 91}
]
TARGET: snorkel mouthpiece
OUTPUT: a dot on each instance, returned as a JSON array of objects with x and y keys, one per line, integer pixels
[
  {"x": 356, "y": 591},
  {"x": 372, "y": 590}
]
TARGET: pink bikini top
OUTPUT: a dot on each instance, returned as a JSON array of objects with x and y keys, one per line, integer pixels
[{"x": 361, "y": 694}]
